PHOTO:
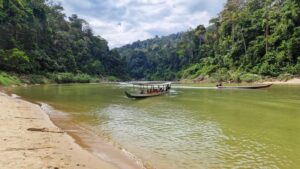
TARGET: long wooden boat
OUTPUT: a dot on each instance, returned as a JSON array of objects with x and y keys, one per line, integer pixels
[
  {"x": 142, "y": 96},
  {"x": 148, "y": 89},
  {"x": 246, "y": 87}
]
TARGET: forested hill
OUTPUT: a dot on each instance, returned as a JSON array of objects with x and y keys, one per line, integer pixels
[
  {"x": 36, "y": 37},
  {"x": 152, "y": 59},
  {"x": 246, "y": 41}
]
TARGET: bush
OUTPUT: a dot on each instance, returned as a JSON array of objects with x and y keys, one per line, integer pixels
[
  {"x": 295, "y": 70},
  {"x": 235, "y": 76},
  {"x": 82, "y": 78},
  {"x": 221, "y": 75},
  {"x": 190, "y": 71},
  {"x": 35, "y": 79},
  {"x": 285, "y": 77},
  {"x": 112, "y": 79},
  {"x": 64, "y": 78},
  {"x": 70, "y": 78},
  {"x": 249, "y": 77},
  {"x": 14, "y": 60},
  {"x": 6, "y": 79}
]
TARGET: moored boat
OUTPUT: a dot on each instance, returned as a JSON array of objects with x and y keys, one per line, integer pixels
[{"x": 259, "y": 86}]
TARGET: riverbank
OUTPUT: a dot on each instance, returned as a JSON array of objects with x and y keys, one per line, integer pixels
[
  {"x": 30, "y": 140},
  {"x": 9, "y": 79},
  {"x": 294, "y": 81}
]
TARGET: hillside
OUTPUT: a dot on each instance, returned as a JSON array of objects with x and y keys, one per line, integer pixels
[
  {"x": 37, "y": 38},
  {"x": 150, "y": 59},
  {"x": 247, "y": 41}
]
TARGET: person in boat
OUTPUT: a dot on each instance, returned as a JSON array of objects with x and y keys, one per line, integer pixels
[
  {"x": 142, "y": 91},
  {"x": 219, "y": 84},
  {"x": 168, "y": 87}
]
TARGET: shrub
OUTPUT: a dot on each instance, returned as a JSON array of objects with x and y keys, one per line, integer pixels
[
  {"x": 285, "y": 77},
  {"x": 82, "y": 78},
  {"x": 112, "y": 79},
  {"x": 64, "y": 78},
  {"x": 71, "y": 78},
  {"x": 295, "y": 70},
  {"x": 190, "y": 71},
  {"x": 6, "y": 79},
  {"x": 36, "y": 79},
  {"x": 14, "y": 60},
  {"x": 249, "y": 77},
  {"x": 235, "y": 76},
  {"x": 221, "y": 75}
]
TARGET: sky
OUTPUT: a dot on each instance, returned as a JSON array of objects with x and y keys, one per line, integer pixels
[{"x": 121, "y": 22}]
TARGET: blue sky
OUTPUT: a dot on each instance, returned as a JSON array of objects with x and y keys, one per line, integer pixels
[{"x": 124, "y": 21}]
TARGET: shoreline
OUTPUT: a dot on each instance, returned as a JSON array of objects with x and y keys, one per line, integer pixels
[
  {"x": 293, "y": 81},
  {"x": 46, "y": 145},
  {"x": 106, "y": 150}
]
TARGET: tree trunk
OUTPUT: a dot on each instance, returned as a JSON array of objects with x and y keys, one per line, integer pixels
[
  {"x": 266, "y": 37},
  {"x": 244, "y": 42}
]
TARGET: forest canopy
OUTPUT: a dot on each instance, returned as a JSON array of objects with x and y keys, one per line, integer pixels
[
  {"x": 38, "y": 38},
  {"x": 247, "y": 39}
]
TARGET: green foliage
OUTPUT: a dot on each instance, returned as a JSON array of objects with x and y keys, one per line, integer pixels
[
  {"x": 235, "y": 76},
  {"x": 112, "y": 79},
  {"x": 220, "y": 75},
  {"x": 82, "y": 78},
  {"x": 153, "y": 59},
  {"x": 6, "y": 79},
  {"x": 70, "y": 78},
  {"x": 285, "y": 77},
  {"x": 35, "y": 79},
  {"x": 36, "y": 38},
  {"x": 248, "y": 77},
  {"x": 190, "y": 71},
  {"x": 246, "y": 38},
  {"x": 14, "y": 60}
]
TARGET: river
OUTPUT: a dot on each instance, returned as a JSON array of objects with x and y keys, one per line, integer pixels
[{"x": 189, "y": 128}]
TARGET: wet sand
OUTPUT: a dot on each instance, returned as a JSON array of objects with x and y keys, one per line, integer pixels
[{"x": 29, "y": 139}]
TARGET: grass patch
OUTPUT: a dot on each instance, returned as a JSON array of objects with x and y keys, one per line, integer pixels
[{"x": 6, "y": 79}]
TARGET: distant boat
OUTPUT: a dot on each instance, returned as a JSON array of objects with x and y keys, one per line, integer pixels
[
  {"x": 148, "y": 89},
  {"x": 260, "y": 86}
]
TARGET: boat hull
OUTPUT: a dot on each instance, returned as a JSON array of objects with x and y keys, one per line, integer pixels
[
  {"x": 142, "y": 96},
  {"x": 245, "y": 87}
]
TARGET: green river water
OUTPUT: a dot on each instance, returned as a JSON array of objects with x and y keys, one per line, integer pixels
[{"x": 189, "y": 128}]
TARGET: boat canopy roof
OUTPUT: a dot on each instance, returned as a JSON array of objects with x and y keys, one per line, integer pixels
[{"x": 149, "y": 83}]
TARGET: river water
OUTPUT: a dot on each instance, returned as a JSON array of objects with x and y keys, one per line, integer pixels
[{"x": 189, "y": 128}]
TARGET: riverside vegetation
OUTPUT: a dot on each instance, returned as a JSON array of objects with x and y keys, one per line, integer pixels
[
  {"x": 248, "y": 41},
  {"x": 38, "y": 45}
]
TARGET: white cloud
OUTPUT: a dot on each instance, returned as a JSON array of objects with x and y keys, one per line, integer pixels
[{"x": 124, "y": 21}]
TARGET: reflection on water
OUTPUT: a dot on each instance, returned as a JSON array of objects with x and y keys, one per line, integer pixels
[{"x": 189, "y": 128}]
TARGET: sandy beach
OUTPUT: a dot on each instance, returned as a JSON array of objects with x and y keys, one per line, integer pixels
[
  {"x": 294, "y": 81},
  {"x": 29, "y": 140}
]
